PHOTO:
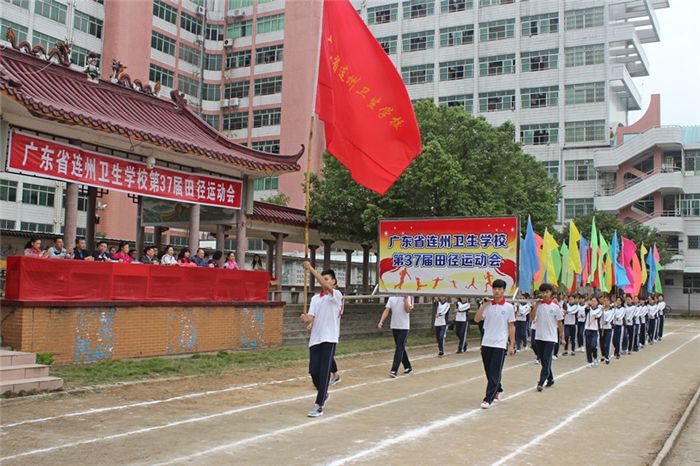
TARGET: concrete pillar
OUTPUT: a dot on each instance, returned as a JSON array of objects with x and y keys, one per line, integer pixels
[
  {"x": 365, "y": 267},
  {"x": 70, "y": 225},
  {"x": 241, "y": 238},
  {"x": 220, "y": 237},
  {"x": 270, "y": 256},
  {"x": 157, "y": 238},
  {"x": 327, "y": 243},
  {"x": 140, "y": 231},
  {"x": 194, "y": 227},
  {"x": 279, "y": 256},
  {"x": 348, "y": 269},
  {"x": 91, "y": 216},
  {"x": 312, "y": 257}
]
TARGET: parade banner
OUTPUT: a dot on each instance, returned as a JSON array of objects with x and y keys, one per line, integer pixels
[
  {"x": 447, "y": 256},
  {"x": 32, "y": 155}
]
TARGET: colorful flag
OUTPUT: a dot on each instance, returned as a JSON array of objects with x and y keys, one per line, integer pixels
[
  {"x": 657, "y": 260},
  {"x": 632, "y": 267},
  {"x": 552, "y": 257},
  {"x": 642, "y": 255},
  {"x": 574, "y": 254},
  {"x": 605, "y": 275},
  {"x": 585, "y": 270},
  {"x": 652, "y": 271},
  {"x": 616, "y": 255},
  {"x": 539, "y": 274},
  {"x": 529, "y": 260},
  {"x": 594, "y": 252},
  {"x": 567, "y": 274},
  {"x": 370, "y": 124}
]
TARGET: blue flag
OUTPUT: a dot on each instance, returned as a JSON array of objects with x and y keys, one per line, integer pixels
[
  {"x": 583, "y": 250},
  {"x": 651, "y": 281},
  {"x": 621, "y": 279},
  {"x": 529, "y": 259}
]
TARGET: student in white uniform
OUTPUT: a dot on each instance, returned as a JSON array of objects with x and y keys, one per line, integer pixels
[
  {"x": 462, "y": 324},
  {"x": 400, "y": 308},
  {"x": 570, "y": 313},
  {"x": 637, "y": 313},
  {"x": 550, "y": 329},
  {"x": 643, "y": 312},
  {"x": 606, "y": 324},
  {"x": 499, "y": 333},
  {"x": 580, "y": 322},
  {"x": 628, "y": 338},
  {"x": 441, "y": 316},
  {"x": 522, "y": 310},
  {"x": 323, "y": 319},
  {"x": 618, "y": 326},
  {"x": 594, "y": 313},
  {"x": 652, "y": 319},
  {"x": 661, "y": 310}
]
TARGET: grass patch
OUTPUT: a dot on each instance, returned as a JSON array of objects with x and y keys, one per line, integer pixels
[{"x": 223, "y": 361}]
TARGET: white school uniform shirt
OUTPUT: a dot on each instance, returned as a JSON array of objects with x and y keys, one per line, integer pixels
[
  {"x": 637, "y": 311},
  {"x": 619, "y": 316},
  {"x": 400, "y": 319},
  {"x": 548, "y": 315},
  {"x": 497, "y": 317},
  {"x": 653, "y": 309},
  {"x": 462, "y": 312},
  {"x": 570, "y": 314},
  {"x": 581, "y": 315},
  {"x": 608, "y": 316},
  {"x": 326, "y": 310},
  {"x": 643, "y": 311},
  {"x": 522, "y": 312},
  {"x": 629, "y": 314},
  {"x": 442, "y": 310},
  {"x": 593, "y": 316},
  {"x": 661, "y": 307}
]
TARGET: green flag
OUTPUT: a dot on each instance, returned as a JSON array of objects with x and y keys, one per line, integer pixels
[
  {"x": 604, "y": 251},
  {"x": 594, "y": 251}
]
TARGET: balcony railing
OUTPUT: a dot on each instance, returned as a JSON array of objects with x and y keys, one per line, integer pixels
[{"x": 611, "y": 190}]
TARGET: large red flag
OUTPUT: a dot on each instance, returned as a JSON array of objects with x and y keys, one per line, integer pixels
[{"x": 369, "y": 120}]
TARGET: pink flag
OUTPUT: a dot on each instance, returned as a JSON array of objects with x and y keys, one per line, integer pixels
[{"x": 629, "y": 251}]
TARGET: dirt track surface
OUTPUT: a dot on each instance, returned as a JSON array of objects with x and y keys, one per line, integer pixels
[{"x": 618, "y": 414}]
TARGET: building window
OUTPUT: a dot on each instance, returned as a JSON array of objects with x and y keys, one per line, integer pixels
[
  {"x": 579, "y": 170},
  {"x": 190, "y": 23},
  {"x": 465, "y": 100},
  {"x": 539, "y": 97},
  {"x": 163, "y": 43},
  {"x": 495, "y": 2},
  {"x": 267, "y": 117},
  {"x": 496, "y": 30},
  {"x": 271, "y": 23},
  {"x": 495, "y": 101},
  {"x": 272, "y": 146},
  {"x": 693, "y": 242},
  {"x": 418, "y": 74},
  {"x": 418, "y": 8},
  {"x": 382, "y": 14},
  {"x": 82, "y": 201},
  {"x": 20, "y": 31},
  {"x": 212, "y": 120},
  {"x": 165, "y": 12},
  {"x": 454, "y": 6},
  {"x": 36, "y": 227},
  {"x": 580, "y": 131},
  {"x": 8, "y": 190},
  {"x": 211, "y": 92},
  {"x": 189, "y": 54},
  {"x": 585, "y": 55},
  {"x": 501, "y": 64},
  {"x": 236, "y": 4},
  {"x": 585, "y": 93},
  {"x": 20, "y": 3},
  {"x": 38, "y": 195},
  {"x": 215, "y": 32},
  {"x": 267, "y": 86},
  {"x": 692, "y": 162},
  {"x": 158, "y": 73},
  {"x": 7, "y": 224},
  {"x": 236, "y": 120},
  {"x": 212, "y": 61},
  {"x": 458, "y": 35},
  {"x": 574, "y": 208},
  {"x": 539, "y": 61},
  {"x": 585, "y": 18},
  {"x": 458, "y": 69},
  {"x": 78, "y": 56},
  {"x": 88, "y": 24},
  {"x": 539, "y": 134},
  {"x": 388, "y": 44},
  {"x": 539, "y": 24},
  {"x": 46, "y": 41},
  {"x": 179, "y": 241},
  {"x": 269, "y": 54},
  {"x": 238, "y": 89},
  {"x": 266, "y": 184},
  {"x": 416, "y": 41},
  {"x": 552, "y": 168},
  {"x": 690, "y": 205},
  {"x": 691, "y": 283},
  {"x": 240, "y": 59},
  {"x": 51, "y": 9},
  {"x": 188, "y": 85},
  {"x": 239, "y": 29}
]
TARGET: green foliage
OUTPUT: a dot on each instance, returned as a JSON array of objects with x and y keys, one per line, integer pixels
[
  {"x": 278, "y": 199},
  {"x": 44, "y": 358},
  {"x": 467, "y": 168}
]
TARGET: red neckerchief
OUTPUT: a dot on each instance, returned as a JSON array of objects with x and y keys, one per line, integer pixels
[
  {"x": 499, "y": 303},
  {"x": 550, "y": 301},
  {"x": 323, "y": 293}
]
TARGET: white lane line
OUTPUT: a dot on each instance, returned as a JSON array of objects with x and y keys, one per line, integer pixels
[
  {"x": 221, "y": 414},
  {"x": 232, "y": 445},
  {"x": 188, "y": 396},
  {"x": 589, "y": 406}
]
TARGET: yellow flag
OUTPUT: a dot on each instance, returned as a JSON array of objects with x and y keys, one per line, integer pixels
[
  {"x": 551, "y": 248},
  {"x": 574, "y": 255},
  {"x": 642, "y": 258}
]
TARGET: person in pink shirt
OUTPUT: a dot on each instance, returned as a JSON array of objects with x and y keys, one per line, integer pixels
[
  {"x": 33, "y": 248},
  {"x": 184, "y": 259},
  {"x": 122, "y": 254},
  {"x": 231, "y": 261}
]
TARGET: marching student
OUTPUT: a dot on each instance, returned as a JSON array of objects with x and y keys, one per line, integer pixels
[
  {"x": 441, "y": 316},
  {"x": 661, "y": 305},
  {"x": 628, "y": 338},
  {"x": 643, "y": 312},
  {"x": 618, "y": 326},
  {"x": 570, "y": 312},
  {"x": 591, "y": 330},
  {"x": 606, "y": 322},
  {"x": 499, "y": 333},
  {"x": 652, "y": 319},
  {"x": 522, "y": 310},
  {"x": 400, "y": 308},
  {"x": 533, "y": 342},
  {"x": 637, "y": 312},
  {"x": 323, "y": 319},
  {"x": 462, "y": 324},
  {"x": 550, "y": 330},
  {"x": 580, "y": 322}
]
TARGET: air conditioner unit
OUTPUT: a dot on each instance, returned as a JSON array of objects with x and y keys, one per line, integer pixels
[
  {"x": 200, "y": 10},
  {"x": 238, "y": 14},
  {"x": 228, "y": 43},
  {"x": 225, "y": 103},
  {"x": 234, "y": 102}
]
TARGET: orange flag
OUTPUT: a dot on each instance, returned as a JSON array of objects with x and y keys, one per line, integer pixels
[{"x": 370, "y": 124}]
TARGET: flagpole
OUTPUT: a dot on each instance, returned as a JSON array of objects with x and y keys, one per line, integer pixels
[{"x": 307, "y": 178}]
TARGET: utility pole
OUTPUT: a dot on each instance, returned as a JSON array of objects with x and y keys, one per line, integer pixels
[{"x": 202, "y": 54}]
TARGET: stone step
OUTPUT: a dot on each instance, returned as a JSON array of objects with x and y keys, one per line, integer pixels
[
  {"x": 28, "y": 385},
  {"x": 23, "y": 371},
  {"x": 16, "y": 358}
]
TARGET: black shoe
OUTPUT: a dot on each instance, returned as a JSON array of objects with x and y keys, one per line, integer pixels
[
  {"x": 539, "y": 388},
  {"x": 549, "y": 383},
  {"x": 408, "y": 371},
  {"x": 440, "y": 354},
  {"x": 392, "y": 374},
  {"x": 459, "y": 351}
]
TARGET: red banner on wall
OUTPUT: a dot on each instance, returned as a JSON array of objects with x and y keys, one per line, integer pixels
[{"x": 33, "y": 155}]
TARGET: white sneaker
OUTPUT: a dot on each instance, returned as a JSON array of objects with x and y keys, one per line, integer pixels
[
  {"x": 316, "y": 411},
  {"x": 555, "y": 357},
  {"x": 485, "y": 405},
  {"x": 590, "y": 364}
]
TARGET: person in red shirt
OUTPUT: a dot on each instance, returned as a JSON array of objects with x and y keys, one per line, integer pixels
[
  {"x": 184, "y": 259},
  {"x": 122, "y": 255}
]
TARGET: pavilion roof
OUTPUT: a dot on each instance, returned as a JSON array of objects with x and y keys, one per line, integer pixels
[
  {"x": 53, "y": 91},
  {"x": 273, "y": 213}
]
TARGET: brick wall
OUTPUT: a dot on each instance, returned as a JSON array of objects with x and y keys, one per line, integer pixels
[{"x": 97, "y": 333}]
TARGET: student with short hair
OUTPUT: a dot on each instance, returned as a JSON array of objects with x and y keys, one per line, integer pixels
[
  {"x": 606, "y": 325},
  {"x": 499, "y": 334},
  {"x": 550, "y": 330},
  {"x": 618, "y": 326},
  {"x": 653, "y": 319},
  {"x": 400, "y": 308},
  {"x": 441, "y": 316},
  {"x": 522, "y": 311},
  {"x": 570, "y": 313},
  {"x": 580, "y": 323},
  {"x": 591, "y": 331},
  {"x": 462, "y": 324},
  {"x": 661, "y": 310},
  {"x": 630, "y": 312},
  {"x": 323, "y": 319},
  {"x": 643, "y": 312}
]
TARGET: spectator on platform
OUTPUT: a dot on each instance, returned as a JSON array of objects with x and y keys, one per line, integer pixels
[
  {"x": 112, "y": 252},
  {"x": 134, "y": 256},
  {"x": 80, "y": 251},
  {"x": 231, "y": 261},
  {"x": 215, "y": 260},
  {"x": 101, "y": 255},
  {"x": 57, "y": 251},
  {"x": 123, "y": 254},
  {"x": 33, "y": 248},
  {"x": 200, "y": 258},
  {"x": 149, "y": 255},
  {"x": 168, "y": 256},
  {"x": 184, "y": 259},
  {"x": 257, "y": 263}
]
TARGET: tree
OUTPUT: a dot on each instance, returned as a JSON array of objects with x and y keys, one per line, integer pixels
[
  {"x": 467, "y": 168},
  {"x": 278, "y": 199}
]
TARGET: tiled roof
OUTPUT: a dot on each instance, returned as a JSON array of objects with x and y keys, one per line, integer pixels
[
  {"x": 53, "y": 91},
  {"x": 273, "y": 213}
]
